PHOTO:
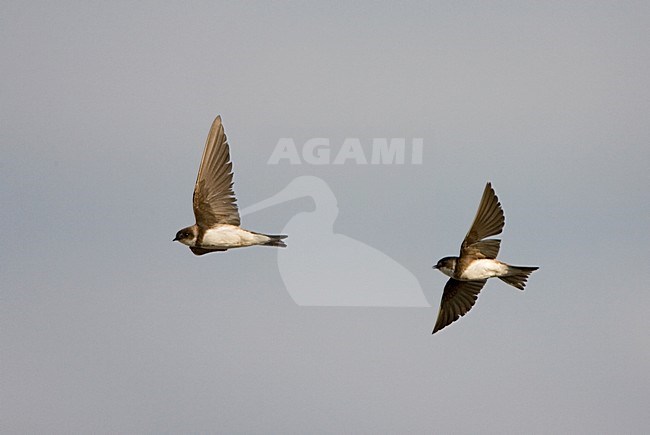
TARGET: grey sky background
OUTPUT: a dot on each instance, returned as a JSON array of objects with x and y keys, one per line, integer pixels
[{"x": 108, "y": 326}]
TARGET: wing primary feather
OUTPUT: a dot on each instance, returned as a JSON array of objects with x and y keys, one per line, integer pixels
[
  {"x": 214, "y": 199},
  {"x": 457, "y": 299},
  {"x": 489, "y": 220}
]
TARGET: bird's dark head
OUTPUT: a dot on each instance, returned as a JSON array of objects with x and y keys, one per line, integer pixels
[
  {"x": 446, "y": 265},
  {"x": 187, "y": 236}
]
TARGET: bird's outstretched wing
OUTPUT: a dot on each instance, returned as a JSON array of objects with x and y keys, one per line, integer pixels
[
  {"x": 457, "y": 299},
  {"x": 489, "y": 221},
  {"x": 214, "y": 199}
]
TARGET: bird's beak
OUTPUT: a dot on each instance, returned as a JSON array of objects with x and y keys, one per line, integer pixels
[
  {"x": 435, "y": 266},
  {"x": 174, "y": 239}
]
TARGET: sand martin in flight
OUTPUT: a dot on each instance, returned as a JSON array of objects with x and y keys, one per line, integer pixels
[
  {"x": 477, "y": 262},
  {"x": 215, "y": 209}
]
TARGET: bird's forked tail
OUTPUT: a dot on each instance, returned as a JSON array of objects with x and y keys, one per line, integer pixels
[
  {"x": 276, "y": 240},
  {"x": 518, "y": 275}
]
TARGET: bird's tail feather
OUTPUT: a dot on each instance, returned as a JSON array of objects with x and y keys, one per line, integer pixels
[
  {"x": 276, "y": 240},
  {"x": 518, "y": 275}
]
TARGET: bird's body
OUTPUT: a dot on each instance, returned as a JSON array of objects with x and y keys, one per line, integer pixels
[
  {"x": 221, "y": 237},
  {"x": 477, "y": 263},
  {"x": 476, "y": 269},
  {"x": 215, "y": 209},
  {"x": 225, "y": 236}
]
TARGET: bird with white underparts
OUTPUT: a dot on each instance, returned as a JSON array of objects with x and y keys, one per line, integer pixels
[
  {"x": 476, "y": 263},
  {"x": 215, "y": 208}
]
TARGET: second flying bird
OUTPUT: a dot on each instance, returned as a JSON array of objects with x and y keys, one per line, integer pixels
[{"x": 477, "y": 262}]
